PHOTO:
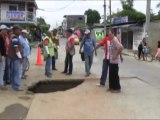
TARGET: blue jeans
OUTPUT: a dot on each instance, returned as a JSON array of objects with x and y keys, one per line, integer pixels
[
  {"x": 104, "y": 72},
  {"x": 16, "y": 73},
  {"x": 2, "y": 68},
  {"x": 88, "y": 63},
  {"x": 24, "y": 66},
  {"x": 48, "y": 66},
  {"x": 7, "y": 71}
]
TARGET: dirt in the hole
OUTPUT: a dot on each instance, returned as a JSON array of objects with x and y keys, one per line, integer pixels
[{"x": 54, "y": 86}]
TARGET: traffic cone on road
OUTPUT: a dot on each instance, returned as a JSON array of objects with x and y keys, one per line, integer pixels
[{"x": 39, "y": 57}]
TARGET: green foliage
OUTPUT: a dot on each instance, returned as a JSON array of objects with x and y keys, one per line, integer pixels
[
  {"x": 93, "y": 16},
  {"x": 127, "y": 4},
  {"x": 80, "y": 26},
  {"x": 42, "y": 25},
  {"x": 132, "y": 14},
  {"x": 128, "y": 10}
]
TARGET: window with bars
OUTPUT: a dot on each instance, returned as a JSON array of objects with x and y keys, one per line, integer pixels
[{"x": 13, "y": 7}]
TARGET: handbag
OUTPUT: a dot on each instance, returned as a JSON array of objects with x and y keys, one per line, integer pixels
[{"x": 82, "y": 56}]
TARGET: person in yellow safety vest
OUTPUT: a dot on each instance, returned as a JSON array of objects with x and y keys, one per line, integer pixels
[
  {"x": 48, "y": 53},
  {"x": 55, "y": 40}
]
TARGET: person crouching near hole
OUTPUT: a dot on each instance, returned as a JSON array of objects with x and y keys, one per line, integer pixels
[
  {"x": 48, "y": 53},
  {"x": 89, "y": 46}
]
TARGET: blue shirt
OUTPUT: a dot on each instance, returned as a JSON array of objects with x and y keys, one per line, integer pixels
[
  {"x": 88, "y": 45},
  {"x": 26, "y": 50}
]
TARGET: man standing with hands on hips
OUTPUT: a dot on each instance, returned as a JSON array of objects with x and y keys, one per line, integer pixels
[{"x": 115, "y": 50}]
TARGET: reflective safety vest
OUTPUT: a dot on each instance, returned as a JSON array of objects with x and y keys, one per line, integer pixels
[{"x": 50, "y": 47}]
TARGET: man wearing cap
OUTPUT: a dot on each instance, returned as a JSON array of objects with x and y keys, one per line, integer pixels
[
  {"x": 89, "y": 45},
  {"x": 48, "y": 53},
  {"x": 3, "y": 53},
  {"x": 55, "y": 40},
  {"x": 70, "y": 52},
  {"x": 26, "y": 51},
  {"x": 15, "y": 54}
]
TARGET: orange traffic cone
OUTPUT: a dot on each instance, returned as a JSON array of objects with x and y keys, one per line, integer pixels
[{"x": 39, "y": 57}]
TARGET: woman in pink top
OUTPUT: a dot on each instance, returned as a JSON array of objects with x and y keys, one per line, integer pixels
[{"x": 157, "y": 56}]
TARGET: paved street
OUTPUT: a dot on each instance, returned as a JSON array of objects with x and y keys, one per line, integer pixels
[{"x": 139, "y": 98}]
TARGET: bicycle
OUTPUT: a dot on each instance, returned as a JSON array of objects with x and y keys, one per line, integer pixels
[{"x": 149, "y": 57}]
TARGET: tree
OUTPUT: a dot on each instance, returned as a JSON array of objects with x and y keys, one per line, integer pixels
[
  {"x": 42, "y": 25},
  {"x": 128, "y": 10},
  {"x": 127, "y": 4},
  {"x": 93, "y": 16}
]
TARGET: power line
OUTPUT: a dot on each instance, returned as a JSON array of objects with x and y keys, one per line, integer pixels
[{"x": 59, "y": 8}]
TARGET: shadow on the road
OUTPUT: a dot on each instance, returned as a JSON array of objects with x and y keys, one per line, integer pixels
[{"x": 14, "y": 111}]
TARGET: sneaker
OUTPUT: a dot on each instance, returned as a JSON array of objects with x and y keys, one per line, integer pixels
[
  {"x": 54, "y": 69},
  {"x": 100, "y": 85},
  {"x": 19, "y": 89},
  {"x": 87, "y": 75},
  {"x": 49, "y": 76}
]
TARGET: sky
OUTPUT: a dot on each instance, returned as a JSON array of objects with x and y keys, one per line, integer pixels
[{"x": 54, "y": 10}]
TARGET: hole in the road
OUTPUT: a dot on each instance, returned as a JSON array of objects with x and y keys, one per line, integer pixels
[{"x": 54, "y": 86}]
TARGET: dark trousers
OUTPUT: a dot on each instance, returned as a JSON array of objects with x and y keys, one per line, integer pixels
[
  {"x": 68, "y": 62},
  {"x": 53, "y": 62},
  {"x": 104, "y": 71},
  {"x": 6, "y": 77},
  {"x": 114, "y": 82},
  {"x": 140, "y": 52}
]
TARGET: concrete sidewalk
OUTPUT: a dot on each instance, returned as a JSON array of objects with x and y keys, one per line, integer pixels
[{"x": 138, "y": 99}]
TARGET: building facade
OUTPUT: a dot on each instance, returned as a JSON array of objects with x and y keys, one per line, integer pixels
[
  {"x": 18, "y": 11},
  {"x": 71, "y": 20}
]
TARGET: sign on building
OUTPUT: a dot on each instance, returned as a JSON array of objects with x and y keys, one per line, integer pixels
[
  {"x": 120, "y": 20},
  {"x": 15, "y": 15}
]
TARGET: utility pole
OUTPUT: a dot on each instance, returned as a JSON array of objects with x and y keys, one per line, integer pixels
[
  {"x": 110, "y": 14},
  {"x": 105, "y": 24},
  {"x": 147, "y": 18}
]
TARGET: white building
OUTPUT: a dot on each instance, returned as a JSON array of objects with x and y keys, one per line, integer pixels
[{"x": 18, "y": 11}]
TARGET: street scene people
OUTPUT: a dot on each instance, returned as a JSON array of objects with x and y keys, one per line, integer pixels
[
  {"x": 3, "y": 52},
  {"x": 115, "y": 50},
  {"x": 140, "y": 49},
  {"x": 16, "y": 51},
  {"x": 48, "y": 53},
  {"x": 70, "y": 52},
  {"x": 55, "y": 40},
  {"x": 105, "y": 67},
  {"x": 157, "y": 56},
  {"x": 79, "y": 59},
  {"x": 89, "y": 44},
  {"x": 26, "y": 51}
]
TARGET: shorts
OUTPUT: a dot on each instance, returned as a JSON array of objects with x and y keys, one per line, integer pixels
[{"x": 145, "y": 51}]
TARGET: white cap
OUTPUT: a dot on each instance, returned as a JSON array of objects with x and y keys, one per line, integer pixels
[
  {"x": 87, "y": 31},
  {"x": 24, "y": 31},
  {"x": 3, "y": 27}
]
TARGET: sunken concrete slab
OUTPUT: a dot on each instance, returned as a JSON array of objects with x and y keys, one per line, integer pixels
[{"x": 138, "y": 100}]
